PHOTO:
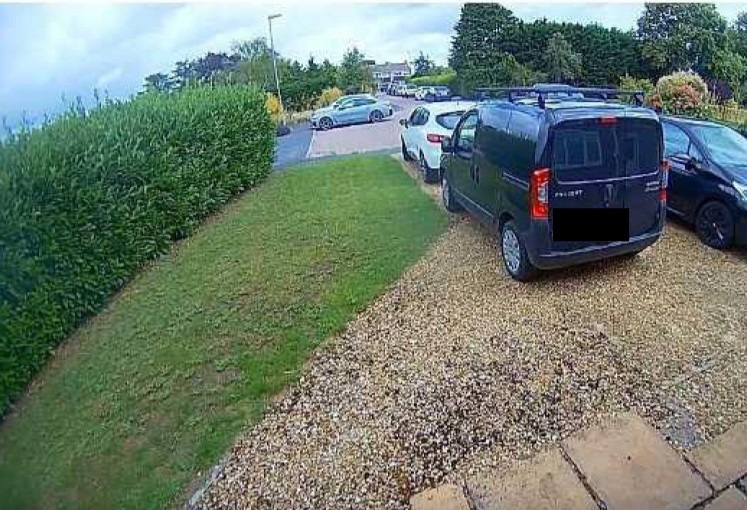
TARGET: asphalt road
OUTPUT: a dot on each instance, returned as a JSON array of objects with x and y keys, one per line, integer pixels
[
  {"x": 302, "y": 143},
  {"x": 294, "y": 147}
]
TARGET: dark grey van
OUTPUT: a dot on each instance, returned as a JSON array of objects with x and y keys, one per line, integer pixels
[{"x": 561, "y": 178}]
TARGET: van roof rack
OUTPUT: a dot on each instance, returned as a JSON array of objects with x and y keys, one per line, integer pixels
[{"x": 542, "y": 91}]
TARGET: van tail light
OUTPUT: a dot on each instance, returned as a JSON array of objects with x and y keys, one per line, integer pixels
[
  {"x": 433, "y": 138},
  {"x": 539, "y": 191},
  {"x": 608, "y": 121},
  {"x": 664, "y": 179}
]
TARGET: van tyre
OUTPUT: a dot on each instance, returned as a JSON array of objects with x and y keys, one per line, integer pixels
[
  {"x": 430, "y": 175},
  {"x": 405, "y": 155},
  {"x": 715, "y": 225},
  {"x": 447, "y": 195},
  {"x": 515, "y": 254}
]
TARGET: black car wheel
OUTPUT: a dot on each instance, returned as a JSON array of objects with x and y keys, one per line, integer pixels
[
  {"x": 715, "y": 225},
  {"x": 405, "y": 155},
  {"x": 376, "y": 116},
  {"x": 515, "y": 254},
  {"x": 325, "y": 123},
  {"x": 430, "y": 175},
  {"x": 447, "y": 196}
]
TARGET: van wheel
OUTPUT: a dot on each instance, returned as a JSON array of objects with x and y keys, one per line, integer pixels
[
  {"x": 715, "y": 225},
  {"x": 515, "y": 254},
  {"x": 405, "y": 155},
  {"x": 447, "y": 196}
]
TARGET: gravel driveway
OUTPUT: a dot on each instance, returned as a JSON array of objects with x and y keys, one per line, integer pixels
[{"x": 457, "y": 368}]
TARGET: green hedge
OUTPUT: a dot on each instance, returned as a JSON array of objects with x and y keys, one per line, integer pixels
[
  {"x": 87, "y": 200},
  {"x": 447, "y": 79}
]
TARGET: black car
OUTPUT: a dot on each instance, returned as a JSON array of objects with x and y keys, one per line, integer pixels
[
  {"x": 560, "y": 180},
  {"x": 707, "y": 179}
]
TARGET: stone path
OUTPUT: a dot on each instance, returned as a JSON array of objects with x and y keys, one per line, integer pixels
[{"x": 622, "y": 464}]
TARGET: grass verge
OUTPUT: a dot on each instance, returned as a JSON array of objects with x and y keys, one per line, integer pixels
[{"x": 150, "y": 393}]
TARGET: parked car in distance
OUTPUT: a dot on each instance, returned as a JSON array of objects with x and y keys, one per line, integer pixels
[
  {"x": 423, "y": 130},
  {"x": 408, "y": 90},
  {"x": 561, "y": 182},
  {"x": 707, "y": 179},
  {"x": 420, "y": 93},
  {"x": 438, "y": 93},
  {"x": 396, "y": 89},
  {"x": 351, "y": 111}
]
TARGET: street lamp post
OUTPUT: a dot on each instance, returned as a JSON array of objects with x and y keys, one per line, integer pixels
[{"x": 275, "y": 67}]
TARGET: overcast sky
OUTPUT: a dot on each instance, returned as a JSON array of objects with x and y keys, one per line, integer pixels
[{"x": 50, "y": 50}]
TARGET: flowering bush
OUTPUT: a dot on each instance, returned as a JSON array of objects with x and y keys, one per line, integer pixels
[
  {"x": 274, "y": 108},
  {"x": 682, "y": 92}
]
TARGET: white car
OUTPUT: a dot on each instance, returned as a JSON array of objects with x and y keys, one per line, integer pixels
[
  {"x": 421, "y": 134},
  {"x": 421, "y": 92}
]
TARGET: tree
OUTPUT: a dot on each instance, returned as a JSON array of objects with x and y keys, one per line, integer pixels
[
  {"x": 207, "y": 67},
  {"x": 353, "y": 74},
  {"x": 731, "y": 68},
  {"x": 252, "y": 49},
  {"x": 485, "y": 35},
  {"x": 561, "y": 62},
  {"x": 158, "y": 82},
  {"x": 680, "y": 36},
  {"x": 423, "y": 65},
  {"x": 183, "y": 74}
]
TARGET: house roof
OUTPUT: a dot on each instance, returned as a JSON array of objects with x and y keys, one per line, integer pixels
[{"x": 391, "y": 67}]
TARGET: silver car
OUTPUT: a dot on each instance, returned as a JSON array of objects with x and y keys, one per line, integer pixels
[{"x": 351, "y": 110}]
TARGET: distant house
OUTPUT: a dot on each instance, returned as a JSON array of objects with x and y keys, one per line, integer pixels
[{"x": 389, "y": 72}]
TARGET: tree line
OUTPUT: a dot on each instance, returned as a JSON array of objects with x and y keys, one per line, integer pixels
[
  {"x": 250, "y": 62},
  {"x": 491, "y": 46}
]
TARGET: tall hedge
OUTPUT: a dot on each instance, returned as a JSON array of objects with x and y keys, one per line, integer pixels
[{"x": 88, "y": 199}]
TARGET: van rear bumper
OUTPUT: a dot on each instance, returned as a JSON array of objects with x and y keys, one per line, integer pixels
[{"x": 557, "y": 259}]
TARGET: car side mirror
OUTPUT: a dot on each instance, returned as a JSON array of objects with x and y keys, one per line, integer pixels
[
  {"x": 446, "y": 144},
  {"x": 693, "y": 164},
  {"x": 403, "y": 122}
]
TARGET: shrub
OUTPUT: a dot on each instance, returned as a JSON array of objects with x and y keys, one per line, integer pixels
[
  {"x": 328, "y": 96},
  {"x": 682, "y": 92},
  {"x": 274, "y": 108},
  {"x": 628, "y": 82},
  {"x": 88, "y": 199}
]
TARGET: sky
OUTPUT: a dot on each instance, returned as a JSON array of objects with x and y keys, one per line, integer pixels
[{"x": 51, "y": 51}]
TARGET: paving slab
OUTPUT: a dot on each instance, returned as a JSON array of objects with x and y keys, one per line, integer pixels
[
  {"x": 547, "y": 482},
  {"x": 723, "y": 460},
  {"x": 443, "y": 497},
  {"x": 731, "y": 499},
  {"x": 630, "y": 467}
]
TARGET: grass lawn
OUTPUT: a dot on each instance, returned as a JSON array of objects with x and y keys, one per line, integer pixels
[{"x": 150, "y": 394}]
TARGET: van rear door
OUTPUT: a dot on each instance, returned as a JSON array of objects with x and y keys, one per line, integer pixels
[
  {"x": 606, "y": 163},
  {"x": 641, "y": 153}
]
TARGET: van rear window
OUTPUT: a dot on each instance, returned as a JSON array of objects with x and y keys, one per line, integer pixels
[
  {"x": 587, "y": 149},
  {"x": 575, "y": 148}
]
